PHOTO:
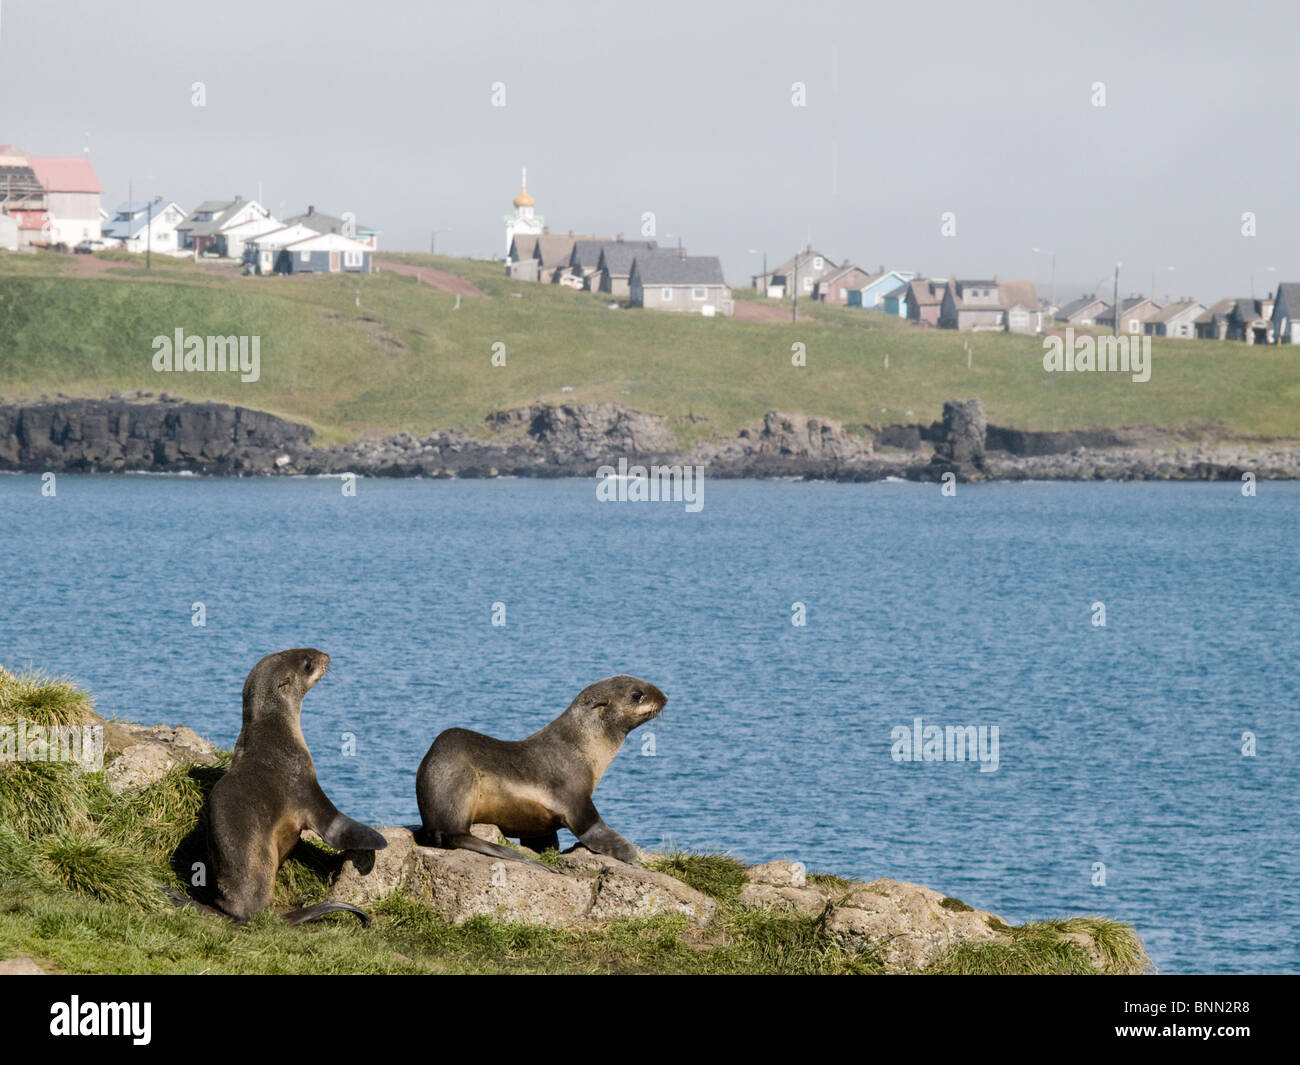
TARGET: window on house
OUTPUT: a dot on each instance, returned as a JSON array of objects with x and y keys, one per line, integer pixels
[
  {"x": 1134, "y": 326},
  {"x": 807, "y": 284},
  {"x": 352, "y": 258},
  {"x": 699, "y": 293},
  {"x": 844, "y": 294},
  {"x": 304, "y": 256},
  {"x": 665, "y": 294},
  {"x": 818, "y": 264}
]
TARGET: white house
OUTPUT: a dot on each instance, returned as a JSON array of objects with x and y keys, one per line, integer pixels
[
  {"x": 138, "y": 227},
  {"x": 205, "y": 229},
  {"x": 260, "y": 252}
]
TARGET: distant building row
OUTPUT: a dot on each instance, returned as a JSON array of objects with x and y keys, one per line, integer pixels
[
  {"x": 664, "y": 279},
  {"x": 55, "y": 201}
]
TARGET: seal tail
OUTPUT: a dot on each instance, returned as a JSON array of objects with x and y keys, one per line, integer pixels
[{"x": 310, "y": 913}]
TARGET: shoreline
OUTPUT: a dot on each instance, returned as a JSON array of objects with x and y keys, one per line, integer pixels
[{"x": 172, "y": 437}]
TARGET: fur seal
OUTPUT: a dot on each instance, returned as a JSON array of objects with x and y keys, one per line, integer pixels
[
  {"x": 532, "y": 787},
  {"x": 260, "y": 807}
]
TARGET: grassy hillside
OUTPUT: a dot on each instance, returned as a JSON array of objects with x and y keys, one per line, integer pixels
[{"x": 356, "y": 356}]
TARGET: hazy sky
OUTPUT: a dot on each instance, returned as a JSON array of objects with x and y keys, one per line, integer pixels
[{"x": 685, "y": 109}]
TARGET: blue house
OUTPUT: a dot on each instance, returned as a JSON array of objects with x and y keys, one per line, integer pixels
[
  {"x": 872, "y": 294},
  {"x": 895, "y": 301},
  {"x": 327, "y": 253}
]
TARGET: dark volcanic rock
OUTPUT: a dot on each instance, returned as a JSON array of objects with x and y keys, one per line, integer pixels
[{"x": 94, "y": 435}]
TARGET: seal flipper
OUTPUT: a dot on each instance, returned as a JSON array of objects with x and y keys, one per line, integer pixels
[
  {"x": 310, "y": 913},
  {"x": 470, "y": 842},
  {"x": 338, "y": 830}
]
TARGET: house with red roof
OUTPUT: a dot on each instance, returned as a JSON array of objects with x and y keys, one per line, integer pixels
[{"x": 72, "y": 193}]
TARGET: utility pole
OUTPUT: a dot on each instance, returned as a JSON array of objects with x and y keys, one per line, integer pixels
[
  {"x": 148, "y": 239},
  {"x": 796, "y": 287},
  {"x": 1115, "y": 330}
]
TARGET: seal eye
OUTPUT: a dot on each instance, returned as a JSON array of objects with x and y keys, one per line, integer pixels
[
  {"x": 637, "y": 696},
  {"x": 306, "y": 665}
]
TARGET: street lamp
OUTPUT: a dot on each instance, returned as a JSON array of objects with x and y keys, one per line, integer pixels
[
  {"x": 1053, "y": 255},
  {"x": 755, "y": 251}
]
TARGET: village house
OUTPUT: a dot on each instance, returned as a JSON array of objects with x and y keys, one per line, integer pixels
[
  {"x": 805, "y": 268},
  {"x": 521, "y": 257},
  {"x": 668, "y": 280},
  {"x": 1251, "y": 320},
  {"x": 1082, "y": 311},
  {"x": 614, "y": 271},
  {"x": 837, "y": 286},
  {"x": 262, "y": 253},
  {"x": 872, "y": 292},
  {"x": 1175, "y": 320},
  {"x": 147, "y": 226},
  {"x": 204, "y": 231},
  {"x": 553, "y": 254},
  {"x": 1286, "y": 313},
  {"x": 1212, "y": 324},
  {"x": 72, "y": 193},
  {"x": 22, "y": 201},
  {"x": 981, "y": 306},
  {"x": 344, "y": 227},
  {"x": 923, "y": 300},
  {"x": 1133, "y": 312},
  {"x": 584, "y": 261},
  {"x": 324, "y": 253}
]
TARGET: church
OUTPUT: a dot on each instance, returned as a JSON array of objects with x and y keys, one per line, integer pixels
[{"x": 523, "y": 221}]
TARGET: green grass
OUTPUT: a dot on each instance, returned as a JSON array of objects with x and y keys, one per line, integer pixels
[
  {"x": 82, "y": 873},
  {"x": 420, "y": 365}
]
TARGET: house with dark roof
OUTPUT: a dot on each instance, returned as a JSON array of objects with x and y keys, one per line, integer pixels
[
  {"x": 553, "y": 253},
  {"x": 346, "y": 226},
  {"x": 669, "y": 280},
  {"x": 1133, "y": 311},
  {"x": 1175, "y": 320},
  {"x": 1212, "y": 324},
  {"x": 614, "y": 270},
  {"x": 1251, "y": 320},
  {"x": 207, "y": 229},
  {"x": 1082, "y": 311},
  {"x": 584, "y": 261},
  {"x": 1286, "y": 313}
]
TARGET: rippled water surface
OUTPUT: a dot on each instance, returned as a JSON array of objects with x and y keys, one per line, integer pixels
[{"x": 1118, "y": 745}]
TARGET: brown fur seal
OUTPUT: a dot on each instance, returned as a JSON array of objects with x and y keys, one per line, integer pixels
[
  {"x": 260, "y": 807},
  {"x": 532, "y": 787}
]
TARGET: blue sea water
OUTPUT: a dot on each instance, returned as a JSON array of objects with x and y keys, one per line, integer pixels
[{"x": 1119, "y": 745}]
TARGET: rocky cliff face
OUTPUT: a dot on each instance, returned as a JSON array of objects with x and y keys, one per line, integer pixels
[{"x": 118, "y": 435}]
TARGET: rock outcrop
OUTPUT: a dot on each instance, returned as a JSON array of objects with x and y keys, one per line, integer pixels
[
  {"x": 460, "y": 884},
  {"x": 574, "y": 440},
  {"x": 118, "y": 435}
]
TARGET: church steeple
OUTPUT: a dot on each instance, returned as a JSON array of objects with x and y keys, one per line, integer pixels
[
  {"x": 523, "y": 199},
  {"x": 523, "y": 220}
]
